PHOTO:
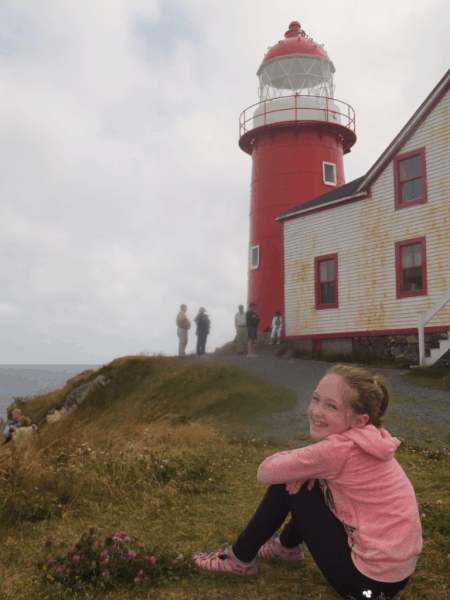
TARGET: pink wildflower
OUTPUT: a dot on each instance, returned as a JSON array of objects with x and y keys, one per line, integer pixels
[
  {"x": 152, "y": 560},
  {"x": 136, "y": 580},
  {"x": 140, "y": 573},
  {"x": 132, "y": 554},
  {"x": 126, "y": 538},
  {"x": 106, "y": 561},
  {"x": 60, "y": 569},
  {"x": 105, "y": 553},
  {"x": 51, "y": 561},
  {"x": 174, "y": 563},
  {"x": 76, "y": 558}
]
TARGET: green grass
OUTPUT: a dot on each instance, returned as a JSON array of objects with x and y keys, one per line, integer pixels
[
  {"x": 436, "y": 377},
  {"x": 103, "y": 467}
]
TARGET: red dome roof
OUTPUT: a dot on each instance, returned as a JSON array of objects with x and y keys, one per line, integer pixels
[{"x": 295, "y": 44}]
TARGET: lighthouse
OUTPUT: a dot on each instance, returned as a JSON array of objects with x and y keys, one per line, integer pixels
[{"x": 297, "y": 135}]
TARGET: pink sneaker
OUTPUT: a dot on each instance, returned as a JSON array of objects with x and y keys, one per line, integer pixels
[
  {"x": 224, "y": 562},
  {"x": 273, "y": 551}
]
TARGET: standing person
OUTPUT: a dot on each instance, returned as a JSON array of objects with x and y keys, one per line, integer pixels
[
  {"x": 183, "y": 325},
  {"x": 240, "y": 322},
  {"x": 203, "y": 323},
  {"x": 11, "y": 427},
  {"x": 252, "y": 326},
  {"x": 350, "y": 500},
  {"x": 277, "y": 322}
]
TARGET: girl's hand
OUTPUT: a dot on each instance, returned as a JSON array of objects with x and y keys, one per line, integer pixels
[{"x": 294, "y": 487}]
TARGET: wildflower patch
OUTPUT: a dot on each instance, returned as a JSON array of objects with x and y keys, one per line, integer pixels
[{"x": 116, "y": 561}]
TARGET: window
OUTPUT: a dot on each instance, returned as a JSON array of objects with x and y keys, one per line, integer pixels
[
  {"x": 410, "y": 179},
  {"x": 326, "y": 281},
  {"x": 329, "y": 173},
  {"x": 254, "y": 257},
  {"x": 411, "y": 268}
]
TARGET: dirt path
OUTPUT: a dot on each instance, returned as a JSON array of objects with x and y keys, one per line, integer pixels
[{"x": 416, "y": 413}]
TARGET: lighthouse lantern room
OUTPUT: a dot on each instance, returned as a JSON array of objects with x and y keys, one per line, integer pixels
[{"x": 297, "y": 135}]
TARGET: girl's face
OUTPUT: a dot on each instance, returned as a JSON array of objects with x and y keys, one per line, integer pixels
[{"x": 328, "y": 413}]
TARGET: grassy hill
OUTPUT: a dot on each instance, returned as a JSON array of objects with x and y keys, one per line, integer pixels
[{"x": 146, "y": 455}]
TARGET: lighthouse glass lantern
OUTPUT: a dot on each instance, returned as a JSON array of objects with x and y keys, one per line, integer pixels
[{"x": 297, "y": 135}]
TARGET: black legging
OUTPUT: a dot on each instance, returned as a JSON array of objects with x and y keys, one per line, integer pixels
[{"x": 312, "y": 522}]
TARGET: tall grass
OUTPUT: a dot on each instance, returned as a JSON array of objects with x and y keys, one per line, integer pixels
[{"x": 140, "y": 456}]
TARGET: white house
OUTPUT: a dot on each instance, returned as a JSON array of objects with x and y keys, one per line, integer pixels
[{"x": 362, "y": 260}]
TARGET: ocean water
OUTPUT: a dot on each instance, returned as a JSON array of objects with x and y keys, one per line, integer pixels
[{"x": 29, "y": 380}]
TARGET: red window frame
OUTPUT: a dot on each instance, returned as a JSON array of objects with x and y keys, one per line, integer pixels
[
  {"x": 317, "y": 282},
  {"x": 398, "y": 183},
  {"x": 399, "y": 267}
]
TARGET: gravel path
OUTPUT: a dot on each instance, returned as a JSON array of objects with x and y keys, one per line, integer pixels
[{"x": 417, "y": 413}]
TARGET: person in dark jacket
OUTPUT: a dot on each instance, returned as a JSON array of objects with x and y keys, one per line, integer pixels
[
  {"x": 203, "y": 326},
  {"x": 252, "y": 326},
  {"x": 12, "y": 425}
]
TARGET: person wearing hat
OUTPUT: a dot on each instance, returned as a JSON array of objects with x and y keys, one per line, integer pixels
[
  {"x": 252, "y": 326},
  {"x": 11, "y": 427},
  {"x": 203, "y": 326},
  {"x": 183, "y": 325},
  {"x": 276, "y": 328},
  {"x": 240, "y": 322}
]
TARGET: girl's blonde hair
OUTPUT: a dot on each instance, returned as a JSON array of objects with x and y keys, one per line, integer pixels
[{"x": 372, "y": 394}]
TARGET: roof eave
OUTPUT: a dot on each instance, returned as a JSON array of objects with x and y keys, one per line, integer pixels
[{"x": 283, "y": 216}]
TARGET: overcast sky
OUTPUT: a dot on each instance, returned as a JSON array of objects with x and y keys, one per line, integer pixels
[{"x": 123, "y": 191}]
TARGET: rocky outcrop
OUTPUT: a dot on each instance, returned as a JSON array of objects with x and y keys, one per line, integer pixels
[{"x": 75, "y": 398}]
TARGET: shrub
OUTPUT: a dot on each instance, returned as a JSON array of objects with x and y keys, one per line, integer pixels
[{"x": 114, "y": 562}]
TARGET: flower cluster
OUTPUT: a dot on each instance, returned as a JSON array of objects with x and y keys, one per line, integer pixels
[{"x": 115, "y": 561}]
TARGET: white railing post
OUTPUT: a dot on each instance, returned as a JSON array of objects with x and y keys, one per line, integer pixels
[
  {"x": 421, "y": 337},
  {"x": 422, "y": 320}
]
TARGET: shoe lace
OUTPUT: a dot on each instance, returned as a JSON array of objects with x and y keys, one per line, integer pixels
[{"x": 223, "y": 553}]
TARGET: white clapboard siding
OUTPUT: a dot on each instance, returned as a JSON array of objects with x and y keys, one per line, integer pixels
[{"x": 363, "y": 235}]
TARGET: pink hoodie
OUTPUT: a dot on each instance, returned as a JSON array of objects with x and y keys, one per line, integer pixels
[{"x": 370, "y": 494}]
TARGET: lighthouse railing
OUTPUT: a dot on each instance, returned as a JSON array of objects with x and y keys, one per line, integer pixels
[{"x": 338, "y": 109}]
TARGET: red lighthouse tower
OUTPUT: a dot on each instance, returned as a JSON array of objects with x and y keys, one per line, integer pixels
[{"x": 297, "y": 135}]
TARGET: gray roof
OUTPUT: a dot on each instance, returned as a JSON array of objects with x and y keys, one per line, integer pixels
[{"x": 340, "y": 192}]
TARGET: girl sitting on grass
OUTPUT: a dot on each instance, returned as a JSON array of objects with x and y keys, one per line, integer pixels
[{"x": 350, "y": 500}]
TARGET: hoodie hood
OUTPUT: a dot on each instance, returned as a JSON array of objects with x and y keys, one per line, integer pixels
[{"x": 375, "y": 441}]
